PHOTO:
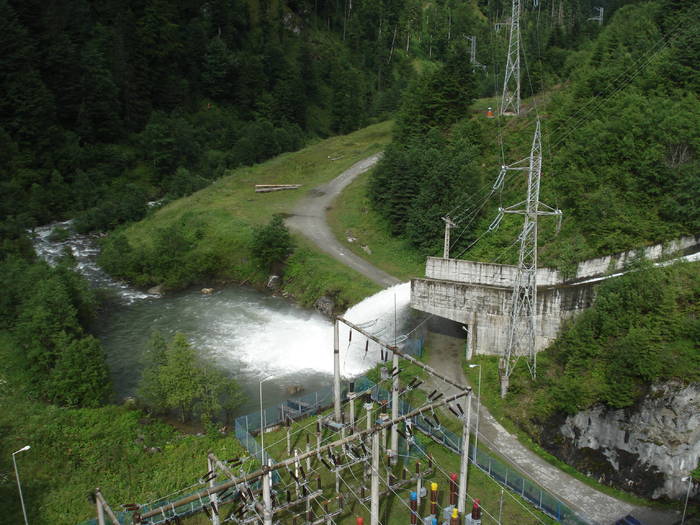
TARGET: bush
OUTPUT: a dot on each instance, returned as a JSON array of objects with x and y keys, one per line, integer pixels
[
  {"x": 272, "y": 244},
  {"x": 177, "y": 379}
]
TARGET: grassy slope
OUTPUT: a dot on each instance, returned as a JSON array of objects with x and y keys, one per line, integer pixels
[
  {"x": 352, "y": 216},
  {"x": 228, "y": 210},
  {"x": 74, "y": 451}
]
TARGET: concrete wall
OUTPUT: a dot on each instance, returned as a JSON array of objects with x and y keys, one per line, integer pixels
[
  {"x": 478, "y": 295},
  {"x": 485, "y": 310},
  {"x": 490, "y": 274},
  {"x": 483, "y": 273},
  {"x": 616, "y": 262}
]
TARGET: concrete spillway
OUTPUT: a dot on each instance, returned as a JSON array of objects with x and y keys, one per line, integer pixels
[{"x": 478, "y": 295}]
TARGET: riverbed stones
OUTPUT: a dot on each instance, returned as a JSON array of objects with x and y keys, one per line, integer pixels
[
  {"x": 325, "y": 305},
  {"x": 157, "y": 290}
]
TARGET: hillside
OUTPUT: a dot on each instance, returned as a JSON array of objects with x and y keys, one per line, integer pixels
[{"x": 619, "y": 150}]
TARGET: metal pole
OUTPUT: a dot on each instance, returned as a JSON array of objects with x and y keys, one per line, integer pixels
[
  {"x": 287, "y": 462},
  {"x": 403, "y": 355},
  {"x": 375, "y": 480},
  {"x": 213, "y": 497},
  {"x": 687, "y": 495},
  {"x": 463, "y": 468},
  {"x": 478, "y": 411},
  {"x": 262, "y": 424},
  {"x": 262, "y": 429},
  {"x": 500, "y": 507},
  {"x": 394, "y": 453},
  {"x": 107, "y": 508},
  {"x": 19, "y": 486},
  {"x": 100, "y": 513},
  {"x": 351, "y": 398},
  {"x": 267, "y": 498},
  {"x": 336, "y": 371}
]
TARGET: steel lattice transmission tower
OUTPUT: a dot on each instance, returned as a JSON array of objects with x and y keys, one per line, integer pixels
[
  {"x": 510, "y": 100},
  {"x": 521, "y": 330}
]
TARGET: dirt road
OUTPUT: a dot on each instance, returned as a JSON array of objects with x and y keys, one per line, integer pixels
[{"x": 309, "y": 219}]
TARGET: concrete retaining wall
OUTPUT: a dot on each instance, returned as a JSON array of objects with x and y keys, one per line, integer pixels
[
  {"x": 478, "y": 295},
  {"x": 611, "y": 263},
  {"x": 485, "y": 311},
  {"x": 483, "y": 273}
]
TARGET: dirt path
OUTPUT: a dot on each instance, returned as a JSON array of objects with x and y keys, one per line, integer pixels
[{"x": 309, "y": 219}]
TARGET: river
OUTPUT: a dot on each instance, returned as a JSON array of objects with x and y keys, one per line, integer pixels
[{"x": 248, "y": 334}]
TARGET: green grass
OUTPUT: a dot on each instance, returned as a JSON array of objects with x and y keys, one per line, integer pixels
[
  {"x": 311, "y": 274},
  {"x": 351, "y": 215},
  {"x": 75, "y": 450},
  {"x": 233, "y": 196},
  {"x": 218, "y": 222}
]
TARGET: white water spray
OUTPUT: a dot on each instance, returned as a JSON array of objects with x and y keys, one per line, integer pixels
[
  {"x": 385, "y": 315},
  {"x": 279, "y": 343}
]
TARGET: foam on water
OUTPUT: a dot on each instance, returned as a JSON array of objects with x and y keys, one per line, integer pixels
[
  {"x": 249, "y": 334},
  {"x": 386, "y": 316},
  {"x": 267, "y": 341},
  {"x": 85, "y": 250}
]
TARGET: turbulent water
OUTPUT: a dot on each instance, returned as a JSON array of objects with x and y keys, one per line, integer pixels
[{"x": 250, "y": 335}]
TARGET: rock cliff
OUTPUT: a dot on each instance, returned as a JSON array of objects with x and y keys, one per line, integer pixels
[{"x": 646, "y": 449}]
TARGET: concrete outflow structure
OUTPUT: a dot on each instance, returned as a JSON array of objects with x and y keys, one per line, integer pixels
[{"x": 478, "y": 295}]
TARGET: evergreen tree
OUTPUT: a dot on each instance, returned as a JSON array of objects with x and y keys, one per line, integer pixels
[
  {"x": 99, "y": 114},
  {"x": 272, "y": 243},
  {"x": 216, "y": 74}
]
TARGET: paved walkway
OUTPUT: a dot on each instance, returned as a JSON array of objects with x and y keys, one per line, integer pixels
[
  {"x": 445, "y": 357},
  {"x": 309, "y": 219}
]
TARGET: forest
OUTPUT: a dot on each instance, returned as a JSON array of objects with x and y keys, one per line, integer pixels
[{"x": 619, "y": 121}]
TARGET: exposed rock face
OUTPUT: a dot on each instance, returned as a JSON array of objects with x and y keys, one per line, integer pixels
[
  {"x": 325, "y": 305},
  {"x": 646, "y": 449}
]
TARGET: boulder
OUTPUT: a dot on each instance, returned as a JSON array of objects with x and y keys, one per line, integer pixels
[
  {"x": 274, "y": 282},
  {"x": 325, "y": 305},
  {"x": 207, "y": 291},
  {"x": 157, "y": 290}
]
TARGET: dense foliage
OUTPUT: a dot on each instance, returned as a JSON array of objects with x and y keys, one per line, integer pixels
[
  {"x": 643, "y": 327},
  {"x": 178, "y": 379},
  {"x": 620, "y": 146},
  {"x": 109, "y": 104},
  {"x": 128, "y": 455},
  {"x": 272, "y": 243},
  {"x": 47, "y": 351}
]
